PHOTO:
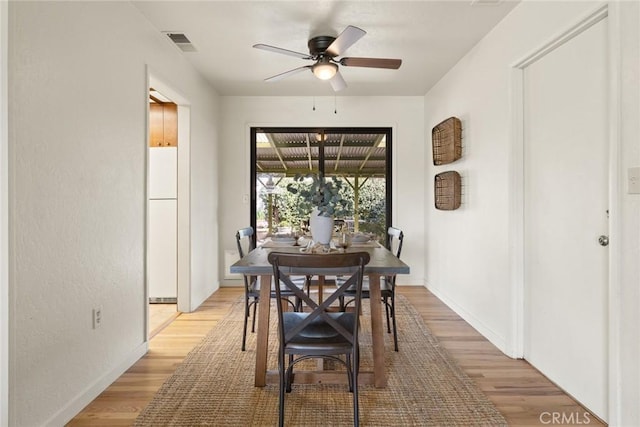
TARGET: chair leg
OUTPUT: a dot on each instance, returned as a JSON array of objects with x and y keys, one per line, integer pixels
[
  {"x": 255, "y": 307},
  {"x": 281, "y": 369},
  {"x": 289, "y": 377},
  {"x": 307, "y": 283},
  {"x": 354, "y": 381},
  {"x": 246, "y": 319},
  {"x": 393, "y": 317},
  {"x": 386, "y": 309},
  {"x": 349, "y": 372}
]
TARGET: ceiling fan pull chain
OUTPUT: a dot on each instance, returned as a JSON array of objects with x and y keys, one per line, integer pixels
[
  {"x": 314, "y": 103},
  {"x": 335, "y": 104}
]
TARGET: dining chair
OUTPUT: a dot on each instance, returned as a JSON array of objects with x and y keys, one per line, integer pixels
[
  {"x": 246, "y": 242},
  {"x": 395, "y": 238},
  {"x": 319, "y": 333}
]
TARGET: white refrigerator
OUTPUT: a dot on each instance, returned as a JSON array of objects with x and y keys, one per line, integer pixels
[{"x": 163, "y": 225}]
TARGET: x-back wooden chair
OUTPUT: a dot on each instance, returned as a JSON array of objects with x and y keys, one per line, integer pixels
[
  {"x": 246, "y": 240},
  {"x": 395, "y": 238},
  {"x": 320, "y": 333}
]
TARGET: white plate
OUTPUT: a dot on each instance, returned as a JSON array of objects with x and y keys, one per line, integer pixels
[
  {"x": 360, "y": 238},
  {"x": 283, "y": 239}
]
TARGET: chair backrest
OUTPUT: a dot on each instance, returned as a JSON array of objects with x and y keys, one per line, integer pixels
[
  {"x": 396, "y": 236},
  {"x": 249, "y": 244},
  {"x": 246, "y": 241},
  {"x": 349, "y": 265}
]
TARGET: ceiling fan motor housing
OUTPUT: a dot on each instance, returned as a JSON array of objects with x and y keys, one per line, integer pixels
[{"x": 318, "y": 45}]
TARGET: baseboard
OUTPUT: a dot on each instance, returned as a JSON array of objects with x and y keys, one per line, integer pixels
[
  {"x": 231, "y": 283},
  {"x": 73, "y": 407},
  {"x": 475, "y": 323}
]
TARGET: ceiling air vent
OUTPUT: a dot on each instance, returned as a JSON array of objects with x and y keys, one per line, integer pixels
[{"x": 181, "y": 41}]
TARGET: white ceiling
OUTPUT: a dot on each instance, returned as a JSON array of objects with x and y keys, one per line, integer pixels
[{"x": 429, "y": 37}]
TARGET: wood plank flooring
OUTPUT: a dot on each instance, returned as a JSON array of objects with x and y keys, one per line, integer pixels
[
  {"x": 161, "y": 315},
  {"x": 519, "y": 391}
]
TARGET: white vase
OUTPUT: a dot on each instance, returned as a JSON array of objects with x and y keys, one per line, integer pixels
[{"x": 321, "y": 227}]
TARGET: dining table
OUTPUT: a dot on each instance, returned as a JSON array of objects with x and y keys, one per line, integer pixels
[{"x": 382, "y": 263}]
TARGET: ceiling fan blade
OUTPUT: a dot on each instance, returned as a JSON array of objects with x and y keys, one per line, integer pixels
[
  {"x": 287, "y": 74},
  {"x": 282, "y": 51},
  {"x": 347, "y": 37},
  {"x": 337, "y": 82},
  {"x": 393, "y": 64}
]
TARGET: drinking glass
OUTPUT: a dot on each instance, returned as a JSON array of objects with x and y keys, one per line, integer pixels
[{"x": 344, "y": 240}]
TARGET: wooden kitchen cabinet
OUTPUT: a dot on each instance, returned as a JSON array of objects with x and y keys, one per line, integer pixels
[{"x": 163, "y": 125}]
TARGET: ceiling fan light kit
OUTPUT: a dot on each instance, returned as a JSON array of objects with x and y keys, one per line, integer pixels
[
  {"x": 324, "y": 70},
  {"x": 324, "y": 50}
]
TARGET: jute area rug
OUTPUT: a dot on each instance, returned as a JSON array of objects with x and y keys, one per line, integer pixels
[{"x": 214, "y": 385}]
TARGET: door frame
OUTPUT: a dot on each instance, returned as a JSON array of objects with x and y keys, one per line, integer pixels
[
  {"x": 388, "y": 131},
  {"x": 183, "y": 195},
  {"x": 515, "y": 342}
]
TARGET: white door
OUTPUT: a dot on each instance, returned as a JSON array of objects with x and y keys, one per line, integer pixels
[{"x": 566, "y": 202}]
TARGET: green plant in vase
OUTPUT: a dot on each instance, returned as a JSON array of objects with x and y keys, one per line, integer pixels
[
  {"x": 322, "y": 200},
  {"x": 321, "y": 193}
]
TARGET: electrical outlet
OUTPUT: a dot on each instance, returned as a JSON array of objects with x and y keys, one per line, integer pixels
[{"x": 97, "y": 317}]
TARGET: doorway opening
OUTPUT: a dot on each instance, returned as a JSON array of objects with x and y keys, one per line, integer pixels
[
  {"x": 168, "y": 238},
  {"x": 162, "y": 237}
]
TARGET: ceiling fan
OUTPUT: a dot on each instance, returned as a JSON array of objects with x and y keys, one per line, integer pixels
[{"x": 324, "y": 50}]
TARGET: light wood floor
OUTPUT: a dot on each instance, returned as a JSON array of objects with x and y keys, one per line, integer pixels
[
  {"x": 161, "y": 315},
  {"x": 518, "y": 390}
]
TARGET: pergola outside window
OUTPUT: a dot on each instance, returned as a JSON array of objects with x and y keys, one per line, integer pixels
[{"x": 359, "y": 157}]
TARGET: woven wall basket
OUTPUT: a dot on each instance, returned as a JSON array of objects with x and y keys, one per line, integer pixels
[
  {"x": 448, "y": 190},
  {"x": 446, "y": 139}
]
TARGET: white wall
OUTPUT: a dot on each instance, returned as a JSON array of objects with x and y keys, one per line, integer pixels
[
  {"x": 467, "y": 254},
  {"x": 467, "y": 251},
  {"x": 77, "y": 141},
  {"x": 404, "y": 114},
  {"x": 4, "y": 221},
  {"x": 205, "y": 184}
]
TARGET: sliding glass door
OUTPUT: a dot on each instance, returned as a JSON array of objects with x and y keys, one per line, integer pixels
[{"x": 359, "y": 157}]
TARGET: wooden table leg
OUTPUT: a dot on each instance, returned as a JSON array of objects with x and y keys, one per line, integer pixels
[
  {"x": 262, "y": 344},
  {"x": 377, "y": 333}
]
